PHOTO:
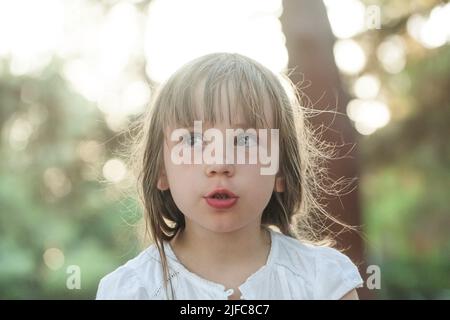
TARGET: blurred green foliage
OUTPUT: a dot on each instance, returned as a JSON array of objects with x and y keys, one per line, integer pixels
[
  {"x": 405, "y": 168},
  {"x": 90, "y": 221}
]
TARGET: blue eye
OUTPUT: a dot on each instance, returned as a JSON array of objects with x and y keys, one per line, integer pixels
[
  {"x": 247, "y": 140},
  {"x": 193, "y": 139}
]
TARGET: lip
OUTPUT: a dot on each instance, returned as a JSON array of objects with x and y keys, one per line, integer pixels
[{"x": 221, "y": 203}]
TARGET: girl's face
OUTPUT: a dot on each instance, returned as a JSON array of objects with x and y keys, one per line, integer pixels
[{"x": 190, "y": 183}]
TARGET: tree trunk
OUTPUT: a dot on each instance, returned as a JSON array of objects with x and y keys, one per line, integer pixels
[{"x": 309, "y": 41}]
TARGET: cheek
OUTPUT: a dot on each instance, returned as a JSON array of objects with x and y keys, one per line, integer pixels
[
  {"x": 259, "y": 195},
  {"x": 181, "y": 176},
  {"x": 181, "y": 187},
  {"x": 259, "y": 186}
]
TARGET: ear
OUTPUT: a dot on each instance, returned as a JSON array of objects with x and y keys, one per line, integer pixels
[
  {"x": 163, "y": 182},
  {"x": 280, "y": 184}
]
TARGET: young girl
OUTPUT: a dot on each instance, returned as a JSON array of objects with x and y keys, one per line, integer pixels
[{"x": 222, "y": 229}]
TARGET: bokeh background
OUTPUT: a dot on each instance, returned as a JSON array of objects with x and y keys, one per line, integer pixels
[{"x": 74, "y": 74}]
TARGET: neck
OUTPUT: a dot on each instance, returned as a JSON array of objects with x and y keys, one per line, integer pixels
[{"x": 198, "y": 246}]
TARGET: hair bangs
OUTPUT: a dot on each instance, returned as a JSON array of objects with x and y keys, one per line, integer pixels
[{"x": 234, "y": 93}]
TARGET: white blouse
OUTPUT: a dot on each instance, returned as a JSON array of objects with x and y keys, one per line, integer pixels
[{"x": 294, "y": 270}]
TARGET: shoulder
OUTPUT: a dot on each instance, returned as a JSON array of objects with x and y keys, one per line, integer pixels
[
  {"x": 330, "y": 273},
  {"x": 138, "y": 278}
]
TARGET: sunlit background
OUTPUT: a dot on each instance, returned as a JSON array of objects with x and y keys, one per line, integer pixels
[{"x": 74, "y": 74}]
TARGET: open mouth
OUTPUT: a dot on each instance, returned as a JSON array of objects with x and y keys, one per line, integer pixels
[
  {"x": 221, "y": 199},
  {"x": 220, "y": 196}
]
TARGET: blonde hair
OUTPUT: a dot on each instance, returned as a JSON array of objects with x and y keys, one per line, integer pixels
[{"x": 296, "y": 212}]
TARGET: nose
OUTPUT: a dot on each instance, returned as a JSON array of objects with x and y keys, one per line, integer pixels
[{"x": 225, "y": 169}]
